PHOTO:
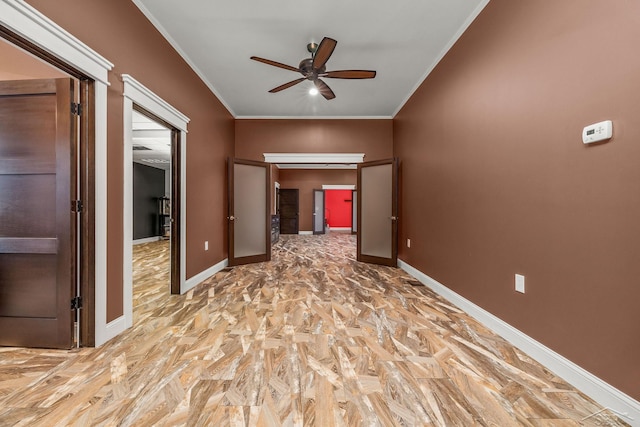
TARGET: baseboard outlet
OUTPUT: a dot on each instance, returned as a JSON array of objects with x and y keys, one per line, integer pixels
[
  {"x": 605, "y": 394},
  {"x": 111, "y": 330},
  {"x": 192, "y": 282},
  {"x": 147, "y": 240}
]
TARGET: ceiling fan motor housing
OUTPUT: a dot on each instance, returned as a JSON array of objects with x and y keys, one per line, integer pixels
[{"x": 306, "y": 69}]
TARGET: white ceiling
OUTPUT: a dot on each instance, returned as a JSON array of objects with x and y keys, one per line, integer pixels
[{"x": 402, "y": 41}]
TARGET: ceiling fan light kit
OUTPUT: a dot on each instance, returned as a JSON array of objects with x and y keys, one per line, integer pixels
[{"x": 315, "y": 67}]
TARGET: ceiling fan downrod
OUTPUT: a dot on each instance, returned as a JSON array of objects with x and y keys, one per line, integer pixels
[{"x": 312, "y": 48}]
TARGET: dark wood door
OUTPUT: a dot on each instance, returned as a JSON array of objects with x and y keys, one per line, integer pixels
[
  {"x": 249, "y": 211},
  {"x": 289, "y": 211},
  {"x": 37, "y": 226},
  {"x": 378, "y": 212}
]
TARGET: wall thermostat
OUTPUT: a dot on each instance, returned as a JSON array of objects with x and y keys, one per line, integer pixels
[{"x": 597, "y": 132}]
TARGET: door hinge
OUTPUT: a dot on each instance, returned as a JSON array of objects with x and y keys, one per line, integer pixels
[
  {"x": 76, "y": 303},
  {"x": 76, "y": 206},
  {"x": 76, "y": 109}
]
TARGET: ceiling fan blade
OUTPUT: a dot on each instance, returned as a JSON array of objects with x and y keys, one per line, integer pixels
[
  {"x": 275, "y": 64},
  {"x": 287, "y": 85},
  {"x": 324, "y": 89},
  {"x": 324, "y": 51},
  {"x": 349, "y": 74}
]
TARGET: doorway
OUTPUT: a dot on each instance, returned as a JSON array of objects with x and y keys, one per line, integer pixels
[
  {"x": 50, "y": 221},
  {"x": 152, "y": 196},
  {"x": 339, "y": 209},
  {"x": 289, "y": 211},
  {"x": 141, "y": 100}
]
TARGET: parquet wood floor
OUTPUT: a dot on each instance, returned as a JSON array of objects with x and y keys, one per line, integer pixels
[{"x": 312, "y": 338}]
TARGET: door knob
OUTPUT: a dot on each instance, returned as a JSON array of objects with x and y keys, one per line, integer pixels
[
  {"x": 231, "y": 218},
  {"x": 393, "y": 218}
]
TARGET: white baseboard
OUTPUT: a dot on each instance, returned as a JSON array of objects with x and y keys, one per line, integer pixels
[
  {"x": 204, "y": 275},
  {"x": 146, "y": 240},
  {"x": 111, "y": 329},
  {"x": 341, "y": 229},
  {"x": 305, "y": 232},
  {"x": 605, "y": 394}
]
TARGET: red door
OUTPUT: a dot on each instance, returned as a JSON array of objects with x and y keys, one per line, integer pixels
[{"x": 37, "y": 226}]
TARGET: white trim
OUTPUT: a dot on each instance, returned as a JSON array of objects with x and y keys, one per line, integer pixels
[
  {"x": 29, "y": 23},
  {"x": 102, "y": 331},
  {"x": 204, "y": 275},
  {"x": 151, "y": 102},
  {"x": 33, "y": 26},
  {"x": 313, "y": 157},
  {"x": 311, "y": 117},
  {"x": 146, "y": 240},
  {"x": 324, "y": 166},
  {"x": 113, "y": 329},
  {"x": 340, "y": 228},
  {"x": 605, "y": 394},
  {"x": 305, "y": 233},
  {"x": 443, "y": 52},
  {"x": 338, "y": 187},
  {"x": 136, "y": 92}
]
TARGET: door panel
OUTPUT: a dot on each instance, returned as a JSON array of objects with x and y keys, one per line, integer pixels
[
  {"x": 289, "y": 209},
  {"x": 318, "y": 212},
  {"x": 249, "y": 212},
  {"x": 37, "y": 230},
  {"x": 377, "y": 212}
]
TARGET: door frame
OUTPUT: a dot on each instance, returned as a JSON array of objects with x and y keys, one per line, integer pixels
[
  {"x": 23, "y": 26},
  {"x": 136, "y": 93}
]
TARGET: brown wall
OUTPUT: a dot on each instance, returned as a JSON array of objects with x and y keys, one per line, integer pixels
[
  {"x": 372, "y": 137},
  {"x": 118, "y": 31},
  {"x": 497, "y": 181},
  {"x": 307, "y": 180}
]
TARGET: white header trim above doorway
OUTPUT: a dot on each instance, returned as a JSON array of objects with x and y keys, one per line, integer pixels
[
  {"x": 143, "y": 97},
  {"x": 312, "y": 158},
  {"x": 338, "y": 187}
]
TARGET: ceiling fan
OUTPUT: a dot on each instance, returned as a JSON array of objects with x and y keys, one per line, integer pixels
[{"x": 315, "y": 67}]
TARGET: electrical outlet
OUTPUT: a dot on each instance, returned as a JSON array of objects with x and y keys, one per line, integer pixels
[
  {"x": 206, "y": 245},
  {"x": 408, "y": 243},
  {"x": 520, "y": 283}
]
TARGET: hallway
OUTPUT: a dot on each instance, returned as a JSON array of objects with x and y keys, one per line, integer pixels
[{"x": 311, "y": 338}]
